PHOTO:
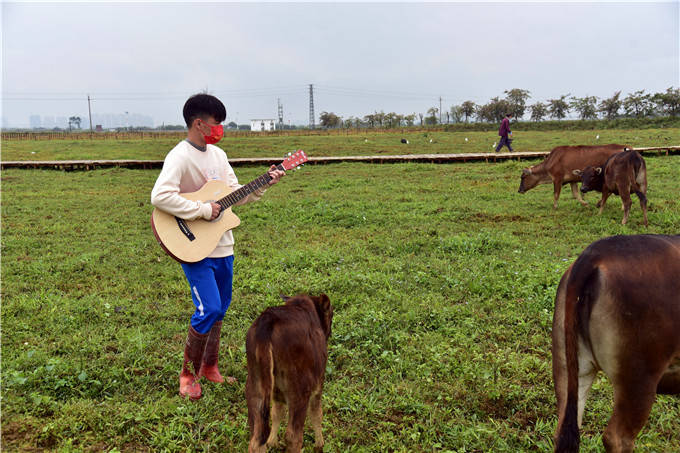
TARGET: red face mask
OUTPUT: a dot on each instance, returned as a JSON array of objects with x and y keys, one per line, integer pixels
[{"x": 216, "y": 134}]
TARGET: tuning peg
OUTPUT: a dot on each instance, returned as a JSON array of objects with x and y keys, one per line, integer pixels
[{"x": 290, "y": 154}]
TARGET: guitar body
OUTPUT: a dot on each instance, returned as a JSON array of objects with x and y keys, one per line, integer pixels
[
  {"x": 173, "y": 237},
  {"x": 189, "y": 241}
]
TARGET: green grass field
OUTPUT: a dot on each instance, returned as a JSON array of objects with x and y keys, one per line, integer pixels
[
  {"x": 442, "y": 278},
  {"x": 368, "y": 143}
]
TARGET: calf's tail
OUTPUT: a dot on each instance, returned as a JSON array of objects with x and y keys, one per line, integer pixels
[
  {"x": 259, "y": 387},
  {"x": 265, "y": 365},
  {"x": 583, "y": 274}
]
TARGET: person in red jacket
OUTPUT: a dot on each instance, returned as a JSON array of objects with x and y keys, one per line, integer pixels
[{"x": 505, "y": 133}]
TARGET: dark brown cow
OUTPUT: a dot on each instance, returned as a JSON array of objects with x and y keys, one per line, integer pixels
[
  {"x": 623, "y": 173},
  {"x": 560, "y": 164},
  {"x": 617, "y": 309},
  {"x": 287, "y": 351}
]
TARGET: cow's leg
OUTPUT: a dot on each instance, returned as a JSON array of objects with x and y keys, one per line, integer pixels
[
  {"x": 633, "y": 399},
  {"x": 297, "y": 412},
  {"x": 316, "y": 416},
  {"x": 278, "y": 409},
  {"x": 577, "y": 193},
  {"x": 670, "y": 381},
  {"x": 557, "y": 188},
  {"x": 586, "y": 375},
  {"x": 624, "y": 192}
]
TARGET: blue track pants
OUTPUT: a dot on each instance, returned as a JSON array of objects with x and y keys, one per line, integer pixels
[{"x": 210, "y": 281}]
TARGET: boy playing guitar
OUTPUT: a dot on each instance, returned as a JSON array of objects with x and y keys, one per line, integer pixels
[{"x": 187, "y": 167}]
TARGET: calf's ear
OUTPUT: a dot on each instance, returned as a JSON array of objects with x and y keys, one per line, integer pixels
[
  {"x": 526, "y": 171},
  {"x": 284, "y": 297},
  {"x": 598, "y": 170},
  {"x": 577, "y": 172},
  {"x": 325, "y": 312},
  {"x": 324, "y": 301}
]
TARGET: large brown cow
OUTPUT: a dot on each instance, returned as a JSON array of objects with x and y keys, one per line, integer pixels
[
  {"x": 617, "y": 309},
  {"x": 286, "y": 348},
  {"x": 623, "y": 173},
  {"x": 560, "y": 164}
]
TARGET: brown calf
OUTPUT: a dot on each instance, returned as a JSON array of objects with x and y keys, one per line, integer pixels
[
  {"x": 617, "y": 309},
  {"x": 560, "y": 164},
  {"x": 287, "y": 351},
  {"x": 623, "y": 173}
]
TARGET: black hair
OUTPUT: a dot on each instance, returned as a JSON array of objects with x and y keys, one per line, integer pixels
[
  {"x": 509, "y": 114},
  {"x": 203, "y": 105}
]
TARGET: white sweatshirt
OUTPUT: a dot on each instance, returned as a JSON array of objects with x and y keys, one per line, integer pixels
[{"x": 187, "y": 169}]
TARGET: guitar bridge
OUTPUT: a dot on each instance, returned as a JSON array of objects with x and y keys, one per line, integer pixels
[{"x": 184, "y": 228}]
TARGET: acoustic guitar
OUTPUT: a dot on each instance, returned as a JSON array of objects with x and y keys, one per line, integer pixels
[{"x": 189, "y": 241}]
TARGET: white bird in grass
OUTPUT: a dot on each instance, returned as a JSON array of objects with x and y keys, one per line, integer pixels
[
  {"x": 597, "y": 137},
  {"x": 365, "y": 140},
  {"x": 466, "y": 139},
  {"x": 494, "y": 145},
  {"x": 430, "y": 140}
]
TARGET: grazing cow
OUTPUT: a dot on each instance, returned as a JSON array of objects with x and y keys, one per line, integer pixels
[
  {"x": 617, "y": 309},
  {"x": 286, "y": 348},
  {"x": 623, "y": 173},
  {"x": 558, "y": 167}
]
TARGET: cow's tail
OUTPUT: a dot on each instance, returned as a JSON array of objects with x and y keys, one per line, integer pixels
[
  {"x": 583, "y": 274},
  {"x": 263, "y": 382},
  {"x": 640, "y": 178}
]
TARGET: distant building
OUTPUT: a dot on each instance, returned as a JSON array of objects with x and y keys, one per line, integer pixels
[
  {"x": 35, "y": 121},
  {"x": 263, "y": 125}
]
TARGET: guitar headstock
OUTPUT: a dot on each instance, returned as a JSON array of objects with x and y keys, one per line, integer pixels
[{"x": 294, "y": 160}]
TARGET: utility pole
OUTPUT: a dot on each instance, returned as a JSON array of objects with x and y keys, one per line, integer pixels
[
  {"x": 311, "y": 106},
  {"x": 440, "y": 110},
  {"x": 278, "y": 100},
  {"x": 89, "y": 111}
]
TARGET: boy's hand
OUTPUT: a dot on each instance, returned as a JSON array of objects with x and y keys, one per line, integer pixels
[
  {"x": 275, "y": 174},
  {"x": 216, "y": 209}
]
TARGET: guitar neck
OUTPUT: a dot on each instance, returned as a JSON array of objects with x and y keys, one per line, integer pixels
[{"x": 244, "y": 191}]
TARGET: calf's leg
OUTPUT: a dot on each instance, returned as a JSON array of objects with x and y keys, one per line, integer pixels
[
  {"x": 278, "y": 409},
  {"x": 297, "y": 412},
  {"x": 316, "y": 416},
  {"x": 577, "y": 193},
  {"x": 624, "y": 192},
  {"x": 643, "y": 204},
  {"x": 603, "y": 200}
]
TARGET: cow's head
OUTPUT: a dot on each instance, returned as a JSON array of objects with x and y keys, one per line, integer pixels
[
  {"x": 592, "y": 178},
  {"x": 529, "y": 180}
]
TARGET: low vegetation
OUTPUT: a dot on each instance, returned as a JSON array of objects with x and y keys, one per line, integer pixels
[
  {"x": 442, "y": 278},
  {"x": 352, "y": 143}
]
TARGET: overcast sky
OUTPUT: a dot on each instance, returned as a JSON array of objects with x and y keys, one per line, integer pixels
[{"x": 147, "y": 58}]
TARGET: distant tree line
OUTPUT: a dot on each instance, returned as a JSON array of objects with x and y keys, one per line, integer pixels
[{"x": 636, "y": 105}]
